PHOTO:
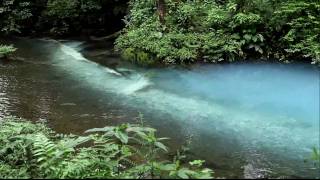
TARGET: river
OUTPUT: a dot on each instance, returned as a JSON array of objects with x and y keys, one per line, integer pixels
[{"x": 244, "y": 119}]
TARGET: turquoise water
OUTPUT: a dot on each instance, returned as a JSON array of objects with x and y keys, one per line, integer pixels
[{"x": 245, "y": 120}]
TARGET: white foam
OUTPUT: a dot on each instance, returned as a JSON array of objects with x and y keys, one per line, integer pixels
[
  {"x": 140, "y": 83},
  {"x": 71, "y": 51},
  {"x": 99, "y": 76}
]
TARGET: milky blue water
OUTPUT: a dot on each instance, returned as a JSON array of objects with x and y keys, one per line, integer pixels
[{"x": 246, "y": 120}]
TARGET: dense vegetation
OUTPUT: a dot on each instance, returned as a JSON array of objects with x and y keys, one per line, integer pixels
[
  {"x": 179, "y": 31},
  {"x": 29, "y": 150},
  {"x": 61, "y": 17},
  {"x": 187, "y": 31}
]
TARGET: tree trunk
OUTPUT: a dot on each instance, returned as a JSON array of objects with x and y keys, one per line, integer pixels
[{"x": 161, "y": 6}]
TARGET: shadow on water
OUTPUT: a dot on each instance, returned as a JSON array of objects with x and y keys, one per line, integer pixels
[{"x": 245, "y": 120}]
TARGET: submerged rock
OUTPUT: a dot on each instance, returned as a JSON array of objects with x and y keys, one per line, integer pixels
[
  {"x": 68, "y": 104},
  {"x": 19, "y": 59},
  {"x": 96, "y": 53},
  {"x": 84, "y": 115},
  {"x": 250, "y": 172}
]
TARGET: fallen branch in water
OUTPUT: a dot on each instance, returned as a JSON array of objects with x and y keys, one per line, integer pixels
[{"x": 105, "y": 38}]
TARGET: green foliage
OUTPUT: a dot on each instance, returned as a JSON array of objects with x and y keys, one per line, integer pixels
[
  {"x": 6, "y": 50},
  {"x": 316, "y": 156},
  {"x": 12, "y": 15},
  {"x": 62, "y": 8},
  {"x": 31, "y": 150},
  {"x": 139, "y": 57},
  {"x": 61, "y": 13},
  {"x": 298, "y": 22},
  {"x": 67, "y": 14},
  {"x": 58, "y": 17},
  {"x": 227, "y": 30}
]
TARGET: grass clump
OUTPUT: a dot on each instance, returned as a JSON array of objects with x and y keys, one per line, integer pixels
[{"x": 6, "y": 50}]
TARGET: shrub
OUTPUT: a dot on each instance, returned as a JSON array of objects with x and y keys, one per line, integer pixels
[{"x": 31, "y": 150}]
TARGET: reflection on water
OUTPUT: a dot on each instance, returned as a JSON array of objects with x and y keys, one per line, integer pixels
[
  {"x": 3, "y": 96},
  {"x": 246, "y": 120}
]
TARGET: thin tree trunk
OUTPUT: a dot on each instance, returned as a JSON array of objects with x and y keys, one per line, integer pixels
[{"x": 161, "y": 6}]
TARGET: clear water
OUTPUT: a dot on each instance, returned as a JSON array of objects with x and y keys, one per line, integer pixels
[{"x": 245, "y": 120}]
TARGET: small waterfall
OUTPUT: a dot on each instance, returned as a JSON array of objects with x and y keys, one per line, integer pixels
[{"x": 99, "y": 76}]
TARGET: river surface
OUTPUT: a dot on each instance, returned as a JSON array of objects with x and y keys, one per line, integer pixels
[{"x": 246, "y": 119}]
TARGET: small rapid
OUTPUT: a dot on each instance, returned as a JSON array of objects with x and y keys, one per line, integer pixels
[{"x": 71, "y": 51}]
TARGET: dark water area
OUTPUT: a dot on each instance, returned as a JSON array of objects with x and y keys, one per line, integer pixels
[{"x": 246, "y": 120}]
